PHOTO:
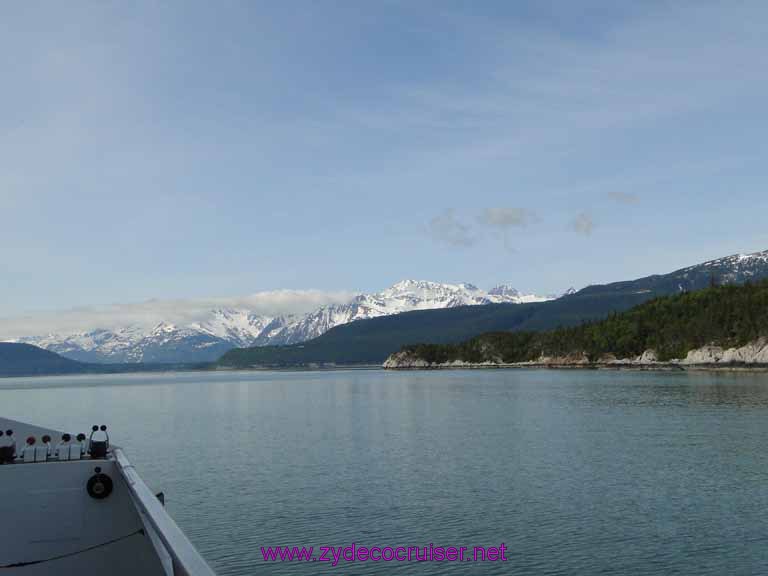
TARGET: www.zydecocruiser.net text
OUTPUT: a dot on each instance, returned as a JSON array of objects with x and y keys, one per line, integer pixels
[{"x": 356, "y": 553}]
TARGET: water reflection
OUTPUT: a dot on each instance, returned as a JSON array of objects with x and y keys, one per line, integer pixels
[
  {"x": 578, "y": 472},
  {"x": 670, "y": 389}
]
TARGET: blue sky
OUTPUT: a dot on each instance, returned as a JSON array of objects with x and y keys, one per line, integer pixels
[{"x": 200, "y": 150}]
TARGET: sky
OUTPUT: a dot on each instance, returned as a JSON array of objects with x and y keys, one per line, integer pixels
[{"x": 164, "y": 156}]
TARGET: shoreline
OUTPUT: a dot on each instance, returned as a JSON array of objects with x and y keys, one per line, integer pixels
[
  {"x": 751, "y": 357},
  {"x": 633, "y": 367}
]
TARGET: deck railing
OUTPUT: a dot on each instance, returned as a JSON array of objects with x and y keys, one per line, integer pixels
[{"x": 185, "y": 560}]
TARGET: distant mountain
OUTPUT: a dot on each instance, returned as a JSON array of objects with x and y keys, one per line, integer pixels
[
  {"x": 165, "y": 343},
  {"x": 27, "y": 360},
  {"x": 224, "y": 329},
  {"x": 404, "y": 296},
  {"x": 736, "y": 269},
  {"x": 17, "y": 359},
  {"x": 371, "y": 341}
]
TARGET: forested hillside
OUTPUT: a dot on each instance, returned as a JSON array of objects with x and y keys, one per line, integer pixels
[
  {"x": 371, "y": 341},
  {"x": 728, "y": 316},
  {"x": 27, "y": 360}
]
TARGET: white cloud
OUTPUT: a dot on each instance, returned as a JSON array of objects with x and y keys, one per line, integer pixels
[{"x": 151, "y": 312}]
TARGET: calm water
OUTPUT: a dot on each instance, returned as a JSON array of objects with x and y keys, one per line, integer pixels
[{"x": 576, "y": 472}]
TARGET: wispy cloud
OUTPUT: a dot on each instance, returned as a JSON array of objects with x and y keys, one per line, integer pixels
[
  {"x": 447, "y": 229},
  {"x": 583, "y": 224},
  {"x": 587, "y": 89},
  {"x": 624, "y": 198},
  {"x": 150, "y": 313},
  {"x": 565, "y": 103},
  {"x": 507, "y": 217},
  {"x": 504, "y": 219}
]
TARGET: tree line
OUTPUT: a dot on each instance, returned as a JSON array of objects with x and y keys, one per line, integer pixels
[{"x": 669, "y": 325}]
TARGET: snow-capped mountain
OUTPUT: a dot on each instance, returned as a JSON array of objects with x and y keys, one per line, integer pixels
[
  {"x": 404, "y": 296},
  {"x": 240, "y": 327},
  {"x": 226, "y": 328},
  {"x": 163, "y": 343},
  {"x": 735, "y": 269},
  {"x": 731, "y": 269}
]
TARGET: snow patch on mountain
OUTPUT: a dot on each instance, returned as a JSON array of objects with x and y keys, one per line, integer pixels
[{"x": 736, "y": 265}]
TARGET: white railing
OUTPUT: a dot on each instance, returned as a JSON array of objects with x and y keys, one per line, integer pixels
[{"x": 184, "y": 559}]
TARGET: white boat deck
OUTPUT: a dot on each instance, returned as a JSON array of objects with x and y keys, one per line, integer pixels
[
  {"x": 21, "y": 430},
  {"x": 52, "y": 525}
]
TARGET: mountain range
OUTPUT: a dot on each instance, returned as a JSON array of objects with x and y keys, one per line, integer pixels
[
  {"x": 225, "y": 328},
  {"x": 376, "y": 325},
  {"x": 372, "y": 341}
]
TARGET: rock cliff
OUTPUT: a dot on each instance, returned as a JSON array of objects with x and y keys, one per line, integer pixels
[{"x": 752, "y": 354}]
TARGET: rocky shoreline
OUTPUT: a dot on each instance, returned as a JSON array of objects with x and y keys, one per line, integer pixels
[{"x": 751, "y": 357}]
